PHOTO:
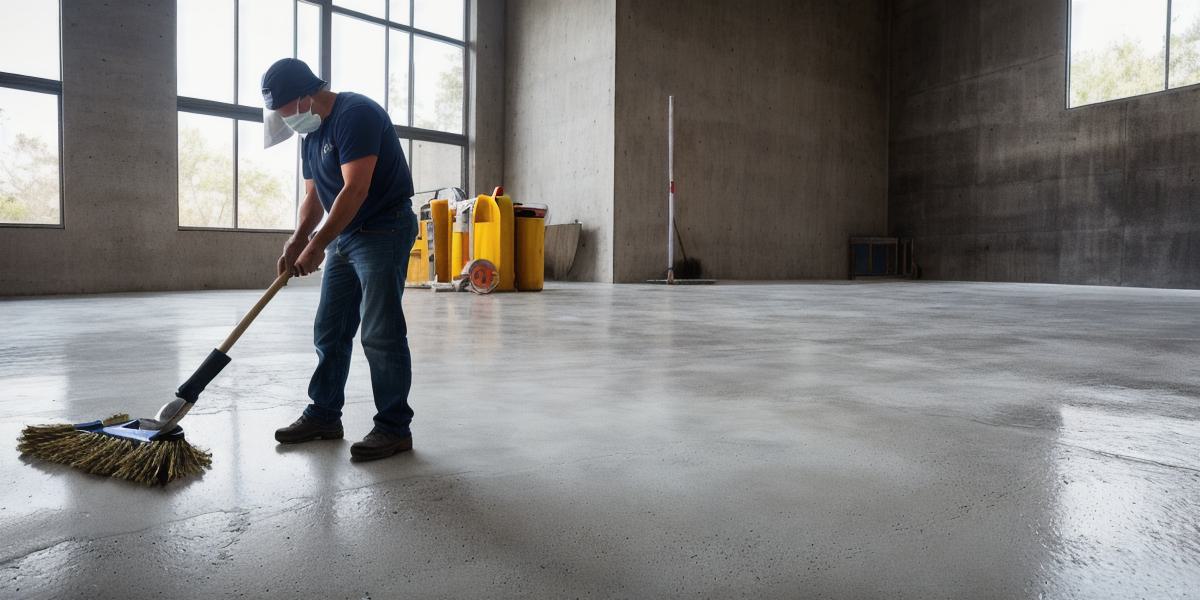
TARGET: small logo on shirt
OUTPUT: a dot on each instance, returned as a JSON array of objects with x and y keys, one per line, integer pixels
[{"x": 327, "y": 148}]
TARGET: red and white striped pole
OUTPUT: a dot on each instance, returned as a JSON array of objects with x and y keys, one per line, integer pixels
[{"x": 671, "y": 189}]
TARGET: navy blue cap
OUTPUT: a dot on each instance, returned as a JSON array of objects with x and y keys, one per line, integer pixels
[{"x": 286, "y": 80}]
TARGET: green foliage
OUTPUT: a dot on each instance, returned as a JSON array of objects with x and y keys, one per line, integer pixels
[
  {"x": 206, "y": 189},
  {"x": 449, "y": 109},
  {"x": 29, "y": 186},
  {"x": 265, "y": 200},
  {"x": 205, "y": 182},
  {"x": 1124, "y": 69},
  {"x": 29, "y": 174},
  {"x": 448, "y": 102},
  {"x": 29, "y": 181},
  {"x": 1185, "y": 53},
  {"x": 397, "y": 97}
]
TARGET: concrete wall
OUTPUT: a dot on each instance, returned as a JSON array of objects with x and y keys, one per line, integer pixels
[
  {"x": 559, "y": 123},
  {"x": 120, "y": 192},
  {"x": 781, "y": 133},
  {"x": 997, "y": 181}
]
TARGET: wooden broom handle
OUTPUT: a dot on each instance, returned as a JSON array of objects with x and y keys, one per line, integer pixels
[{"x": 249, "y": 318}]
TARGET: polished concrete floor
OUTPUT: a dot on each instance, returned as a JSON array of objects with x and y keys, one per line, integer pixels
[{"x": 839, "y": 440}]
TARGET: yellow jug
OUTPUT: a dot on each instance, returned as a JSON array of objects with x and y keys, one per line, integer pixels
[{"x": 492, "y": 236}]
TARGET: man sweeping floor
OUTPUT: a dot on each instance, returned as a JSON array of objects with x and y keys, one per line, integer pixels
[{"x": 354, "y": 170}]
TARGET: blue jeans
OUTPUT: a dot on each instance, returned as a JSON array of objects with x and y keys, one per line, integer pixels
[{"x": 364, "y": 281}]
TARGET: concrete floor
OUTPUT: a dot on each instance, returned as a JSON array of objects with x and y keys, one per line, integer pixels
[{"x": 874, "y": 440}]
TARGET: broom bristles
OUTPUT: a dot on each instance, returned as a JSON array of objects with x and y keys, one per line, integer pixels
[{"x": 158, "y": 462}]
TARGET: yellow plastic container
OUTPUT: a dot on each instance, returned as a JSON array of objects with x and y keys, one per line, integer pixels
[
  {"x": 417, "y": 269},
  {"x": 460, "y": 241},
  {"x": 440, "y": 246},
  {"x": 492, "y": 235},
  {"x": 531, "y": 253}
]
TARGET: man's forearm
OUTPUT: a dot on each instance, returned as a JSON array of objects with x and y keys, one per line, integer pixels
[
  {"x": 344, "y": 208},
  {"x": 309, "y": 218}
]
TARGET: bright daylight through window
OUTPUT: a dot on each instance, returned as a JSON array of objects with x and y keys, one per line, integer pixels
[
  {"x": 1123, "y": 48},
  {"x": 416, "y": 72},
  {"x": 226, "y": 178},
  {"x": 30, "y": 88}
]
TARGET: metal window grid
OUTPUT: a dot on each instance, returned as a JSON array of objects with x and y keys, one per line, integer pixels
[{"x": 241, "y": 112}]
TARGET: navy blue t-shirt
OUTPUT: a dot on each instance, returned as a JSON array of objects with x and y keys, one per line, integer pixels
[{"x": 357, "y": 126}]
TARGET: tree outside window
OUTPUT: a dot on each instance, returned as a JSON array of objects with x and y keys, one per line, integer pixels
[
  {"x": 1120, "y": 49},
  {"x": 30, "y": 88}
]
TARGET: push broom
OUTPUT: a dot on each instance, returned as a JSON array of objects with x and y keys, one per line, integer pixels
[{"x": 146, "y": 451}]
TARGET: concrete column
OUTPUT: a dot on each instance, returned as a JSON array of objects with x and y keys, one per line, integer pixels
[
  {"x": 486, "y": 100},
  {"x": 559, "y": 118}
]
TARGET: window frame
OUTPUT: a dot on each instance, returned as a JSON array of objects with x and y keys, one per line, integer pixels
[
  {"x": 1166, "y": 79},
  {"x": 238, "y": 111},
  {"x": 42, "y": 85},
  {"x": 235, "y": 112},
  {"x": 403, "y": 132}
]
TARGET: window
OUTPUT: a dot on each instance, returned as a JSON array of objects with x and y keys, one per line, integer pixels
[
  {"x": 1185, "y": 43},
  {"x": 30, "y": 99},
  {"x": 226, "y": 178},
  {"x": 416, "y": 73},
  {"x": 1121, "y": 48}
]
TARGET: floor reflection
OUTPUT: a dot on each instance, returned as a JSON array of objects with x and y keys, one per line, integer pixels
[{"x": 1127, "y": 504}]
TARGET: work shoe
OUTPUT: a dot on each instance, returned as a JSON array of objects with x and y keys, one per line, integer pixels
[
  {"x": 379, "y": 444},
  {"x": 306, "y": 429}
]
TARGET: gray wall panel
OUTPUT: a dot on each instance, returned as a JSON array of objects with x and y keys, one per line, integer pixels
[{"x": 998, "y": 181}]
